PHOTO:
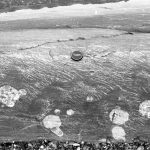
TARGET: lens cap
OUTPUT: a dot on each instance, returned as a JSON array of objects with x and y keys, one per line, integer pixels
[{"x": 77, "y": 56}]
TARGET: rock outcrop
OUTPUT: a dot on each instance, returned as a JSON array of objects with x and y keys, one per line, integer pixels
[
  {"x": 6, "y": 5},
  {"x": 114, "y": 73}
]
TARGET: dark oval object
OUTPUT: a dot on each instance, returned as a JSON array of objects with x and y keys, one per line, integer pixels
[{"x": 76, "y": 56}]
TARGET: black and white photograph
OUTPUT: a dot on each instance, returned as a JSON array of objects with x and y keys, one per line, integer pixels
[{"x": 74, "y": 74}]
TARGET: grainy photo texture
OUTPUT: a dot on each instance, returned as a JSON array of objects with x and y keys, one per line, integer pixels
[{"x": 75, "y": 74}]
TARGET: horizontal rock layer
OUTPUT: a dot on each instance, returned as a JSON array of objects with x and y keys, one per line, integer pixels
[
  {"x": 115, "y": 71},
  {"x": 6, "y": 5}
]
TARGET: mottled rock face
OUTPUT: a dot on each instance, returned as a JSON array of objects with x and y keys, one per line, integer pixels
[{"x": 108, "y": 76}]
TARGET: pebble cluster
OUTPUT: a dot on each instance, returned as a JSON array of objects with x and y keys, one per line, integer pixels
[
  {"x": 118, "y": 117},
  {"x": 136, "y": 144}
]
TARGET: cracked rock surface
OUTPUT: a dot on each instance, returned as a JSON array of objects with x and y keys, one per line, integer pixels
[{"x": 115, "y": 71}]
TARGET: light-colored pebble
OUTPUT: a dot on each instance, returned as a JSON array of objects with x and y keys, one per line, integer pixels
[
  {"x": 118, "y": 133},
  {"x": 89, "y": 99},
  {"x": 57, "y": 131},
  {"x": 118, "y": 116},
  {"x": 140, "y": 148},
  {"x": 82, "y": 142},
  {"x": 70, "y": 112},
  {"x": 52, "y": 121},
  {"x": 22, "y": 92},
  {"x": 41, "y": 147},
  {"x": 78, "y": 148},
  {"x": 57, "y": 111},
  {"x": 144, "y": 108},
  {"x": 76, "y": 144}
]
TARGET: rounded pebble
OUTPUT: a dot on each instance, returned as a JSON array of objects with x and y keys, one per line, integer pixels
[
  {"x": 70, "y": 112},
  {"x": 41, "y": 147},
  {"x": 78, "y": 148},
  {"x": 23, "y": 92},
  {"x": 76, "y": 144},
  {"x": 144, "y": 108},
  {"x": 89, "y": 99},
  {"x": 57, "y": 111},
  {"x": 57, "y": 131},
  {"x": 118, "y": 133},
  {"x": 11, "y": 104},
  {"x": 118, "y": 116},
  {"x": 140, "y": 148},
  {"x": 76, "y": 56}
]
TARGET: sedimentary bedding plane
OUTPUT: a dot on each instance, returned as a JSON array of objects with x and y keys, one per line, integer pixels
[{"x": 64, "y": 99}]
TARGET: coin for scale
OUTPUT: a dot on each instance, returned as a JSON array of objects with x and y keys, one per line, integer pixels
[{"x": 76, "y": 56}]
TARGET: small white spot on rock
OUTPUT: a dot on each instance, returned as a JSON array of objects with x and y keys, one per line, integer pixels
[
  {"x": 103, "y": 140},
  {"x": 118, "y": 133},
  {"x": 78, "y": 148},
  {"x": 89, "y": 99},
  {"x": 11, "y": 104},
  {"x": 9, "y": 95},
  {"x": 96, "y": 12},
  {"x": 22, "y": 92},
  {"x": 82, "y": 142},
  {"x": 2, "y": 106},
  {"x": 140, "y": 148},
  {"x": 57, "y": 111},
  {"x": 144, "y": 108},
  {"x": 76, "y": 144},
  {"x": 118, "y": 116},
  {"x": 41, "y": 147},
  {"x": 70, "y": 112}
]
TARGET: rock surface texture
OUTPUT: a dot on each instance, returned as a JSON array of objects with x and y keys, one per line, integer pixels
[
  {"x": 114, "y": 73},
  {"x": 7, "y": 6}
]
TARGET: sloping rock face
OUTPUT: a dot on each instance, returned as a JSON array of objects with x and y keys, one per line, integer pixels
[
  {"x": 6, "y": 5},
  {"x": 115, "y": 72}
]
